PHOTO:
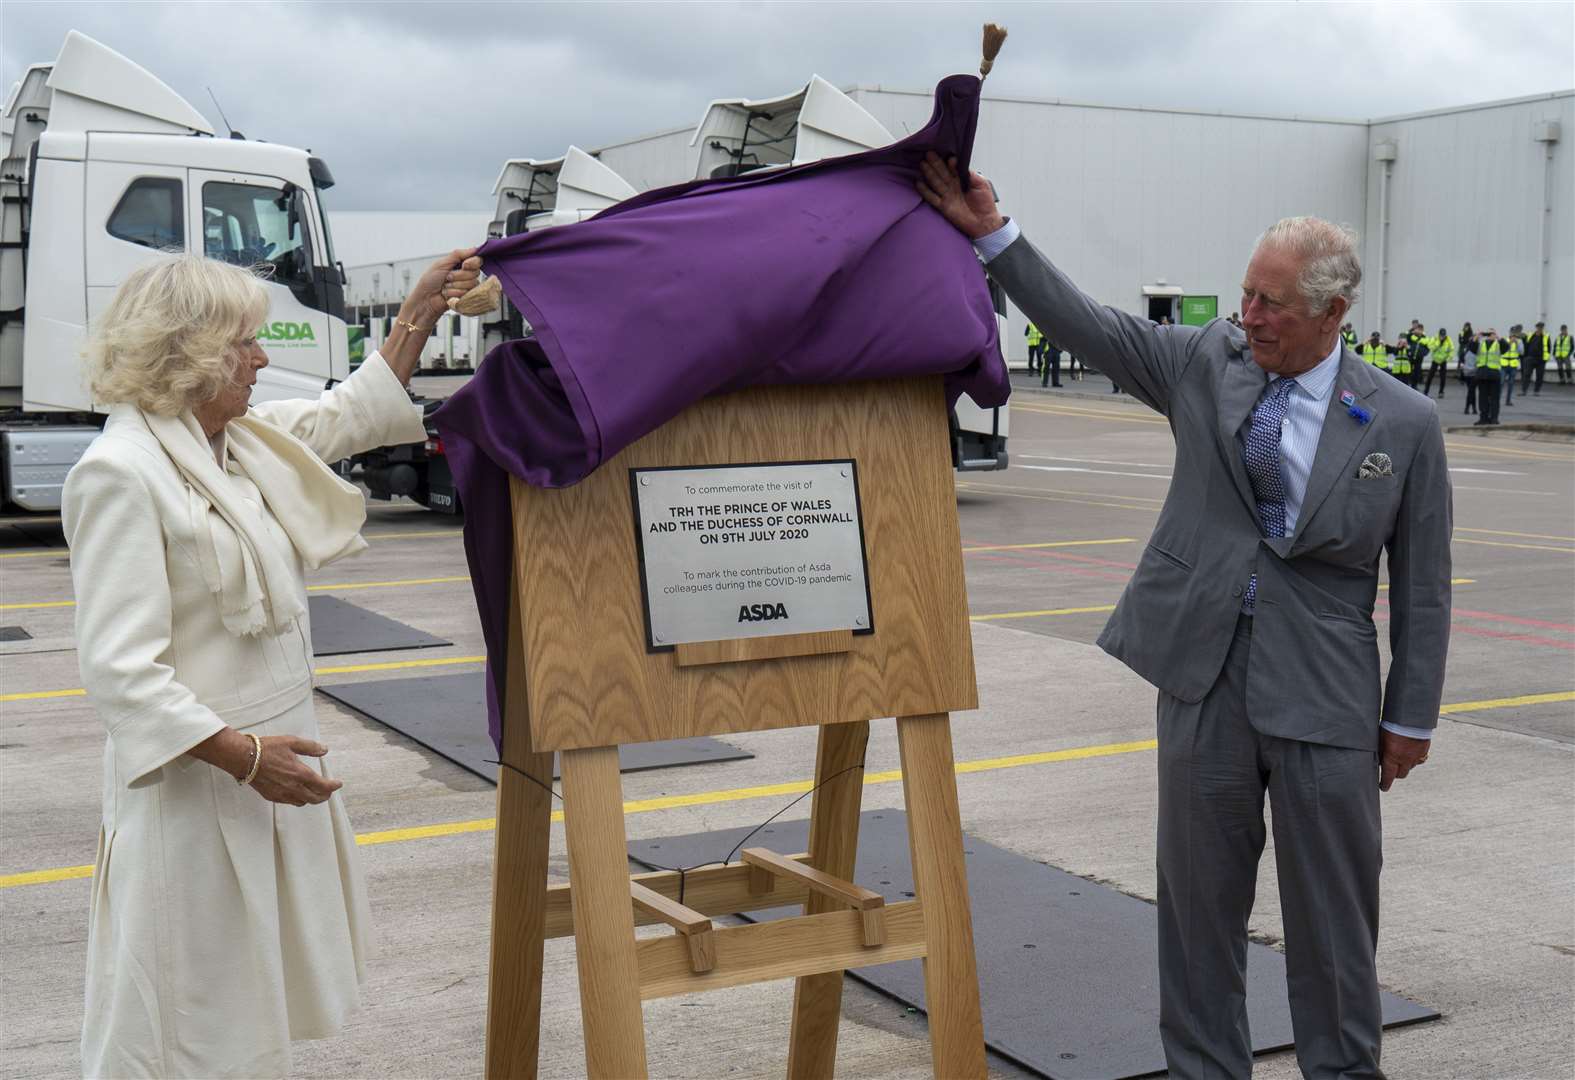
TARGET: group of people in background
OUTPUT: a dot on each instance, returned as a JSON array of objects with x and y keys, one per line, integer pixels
[
  {"x": 1487, "y": 363},
  {"x": 1044, "y": 359}
]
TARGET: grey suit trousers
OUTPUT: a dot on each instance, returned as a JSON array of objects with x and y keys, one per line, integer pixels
[{"x": 1214, "y": 768}]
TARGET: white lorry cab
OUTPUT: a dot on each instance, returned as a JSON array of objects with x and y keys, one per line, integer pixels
[
  {"x": 531, "y": 194},
  {"x": 540, "y": 193},
  {"x": 740, "y": 135},
  {"x": 105, "y": 169}
]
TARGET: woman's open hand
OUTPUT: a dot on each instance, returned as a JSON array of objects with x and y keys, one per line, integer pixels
[{"x": 284, "y": 778}]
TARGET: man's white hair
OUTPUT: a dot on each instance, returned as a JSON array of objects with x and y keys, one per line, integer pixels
[{"x": 1331, "y": 266}]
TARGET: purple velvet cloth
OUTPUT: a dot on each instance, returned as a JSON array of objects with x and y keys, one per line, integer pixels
[{"x": 827, "y": 272}]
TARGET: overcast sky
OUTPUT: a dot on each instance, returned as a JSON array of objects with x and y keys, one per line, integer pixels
[{"x": 416, "y": 105}]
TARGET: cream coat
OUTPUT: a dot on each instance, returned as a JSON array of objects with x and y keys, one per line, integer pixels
[{"x": 221, "y": 925}]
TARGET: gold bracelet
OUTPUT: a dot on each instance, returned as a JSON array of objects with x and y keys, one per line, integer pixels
[
  {"x": 412, "y": 326},
  {"x": 251, "y": 774}
]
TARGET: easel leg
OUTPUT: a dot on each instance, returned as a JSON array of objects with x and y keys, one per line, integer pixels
[
  {"x": 603, "y": 914},
  {"x": 833, "y": 845},
  {"x": 519, "y": 883},
  {"x": 519, "y": 894},
  {"x": 951, "y": 979}
]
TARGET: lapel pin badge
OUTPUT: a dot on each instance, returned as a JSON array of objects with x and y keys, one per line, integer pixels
[{"x": 1347, "y": 398}]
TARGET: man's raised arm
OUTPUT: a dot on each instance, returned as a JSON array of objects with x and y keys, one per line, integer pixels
[{"x": 1144, "y": 359}]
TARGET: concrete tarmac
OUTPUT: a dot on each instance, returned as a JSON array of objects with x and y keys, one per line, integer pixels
[{"x": 1479, "y": 882}]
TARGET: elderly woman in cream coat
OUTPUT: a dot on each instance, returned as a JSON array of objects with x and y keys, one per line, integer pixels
[{"x": 229, "y": 915}]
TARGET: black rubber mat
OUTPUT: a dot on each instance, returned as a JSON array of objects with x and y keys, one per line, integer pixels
[
  {"x": 1067, "y": 969},
  {"x": 339, "y": 627},
  {"x": 448, "y": 714},
  {"x": 14, "y": 633}
]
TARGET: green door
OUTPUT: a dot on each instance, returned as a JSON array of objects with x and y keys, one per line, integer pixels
[
  {"x": 356, "y": 337},
  {"x": 1198, "y": 310}
]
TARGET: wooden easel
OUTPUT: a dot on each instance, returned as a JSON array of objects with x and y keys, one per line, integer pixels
[{"x": 581, "y": 681}]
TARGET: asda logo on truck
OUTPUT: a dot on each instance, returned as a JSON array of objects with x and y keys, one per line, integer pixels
[{"x": 286, "y": 333}]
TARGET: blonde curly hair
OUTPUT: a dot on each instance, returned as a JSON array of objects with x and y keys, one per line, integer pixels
[{"x": 166, "y": 343}]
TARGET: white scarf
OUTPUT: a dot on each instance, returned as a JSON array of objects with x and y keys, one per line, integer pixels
[{"x": 243, "y": 566}]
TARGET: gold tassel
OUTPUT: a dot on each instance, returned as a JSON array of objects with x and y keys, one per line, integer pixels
[
  {"x": 488, "y": 296},
  {"x": 994, "y": 36}
]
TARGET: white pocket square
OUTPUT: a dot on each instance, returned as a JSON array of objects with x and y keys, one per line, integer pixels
[{"x": 1375, "y": 466}]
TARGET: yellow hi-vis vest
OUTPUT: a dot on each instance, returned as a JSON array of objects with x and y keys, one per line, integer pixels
[
  {"x": 1349, "y": 337},
  {"x": 1512, "y": 354},
  {"x": 1376, "y": 355},
  {"x": 1488, "y": 355},
  {"x": 1561, "y": 347},
  {"x": 1402, "y": 361},
  {"x": 1441, "y": 350},
  {"x": 1034, "y": 336}
]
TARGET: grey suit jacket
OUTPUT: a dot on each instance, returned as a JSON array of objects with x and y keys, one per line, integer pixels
[{"x": 1314, "y": 668}]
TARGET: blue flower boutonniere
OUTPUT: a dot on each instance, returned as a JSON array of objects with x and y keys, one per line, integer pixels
[{"x": 1359, "y": 414}]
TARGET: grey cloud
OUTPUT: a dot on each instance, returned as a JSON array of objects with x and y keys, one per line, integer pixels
[{"x": 417, "y": 105}]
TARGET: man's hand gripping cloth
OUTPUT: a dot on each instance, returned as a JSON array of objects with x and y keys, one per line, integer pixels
[{"x": 828, "y": 272}]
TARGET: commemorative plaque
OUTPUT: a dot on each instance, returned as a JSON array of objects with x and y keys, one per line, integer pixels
[{"x": 743, "y": 551}]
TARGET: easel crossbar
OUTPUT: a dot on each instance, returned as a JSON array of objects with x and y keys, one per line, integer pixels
[
  {"x": 805, "y": 945},
  {"x": 712, "y": 890}
]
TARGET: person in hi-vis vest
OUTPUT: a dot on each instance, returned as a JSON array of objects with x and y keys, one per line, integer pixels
[
  {"x": 1036, "y": 344},
  {"x": 1490, "y": 363},
  {"x": 1440, "y": 354},
  {"x": 1375, "y": 352},
  {"x": 1511, "y": 350},
  {"x": 1561, "y": 354}
]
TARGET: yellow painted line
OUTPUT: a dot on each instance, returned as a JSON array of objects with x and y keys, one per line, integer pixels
[
  {"x": 1508, "y": 702},
  {"x": 667, "y": 802},
  {"x": 44, "y": 877},
  {"x": 795, "y": 787},
  {"x": 38, "y": 695},
  {"x": 1053, "y": 544},
  {"x": 1002, "y": 489},
  {"x": 419, "y": 535},
  {"x": 1520, "y": 535},
  {"x": 434, "y": 533},
  {"x": 1036, "y": 614},
  {"x": 341, "y": 586},
  {"x": 392, "y": 665},
  {"x": 1507, "y": 544},
  {"x": 1453, "y": 581}
]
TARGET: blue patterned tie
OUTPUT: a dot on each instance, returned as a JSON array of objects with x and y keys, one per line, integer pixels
[{"x": 1262, "y": 458}]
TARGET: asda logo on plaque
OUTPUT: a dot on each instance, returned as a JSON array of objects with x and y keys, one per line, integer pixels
[{"x": 761, "y": 612}]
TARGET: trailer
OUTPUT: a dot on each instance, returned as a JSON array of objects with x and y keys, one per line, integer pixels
[{"x": 105, "y": 169}]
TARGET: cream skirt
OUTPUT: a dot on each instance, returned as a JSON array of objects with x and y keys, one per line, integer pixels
[{"x": 222, "y": 925}]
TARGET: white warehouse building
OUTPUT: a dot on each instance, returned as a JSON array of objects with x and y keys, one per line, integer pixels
[{"x": 1466, "y": 214}]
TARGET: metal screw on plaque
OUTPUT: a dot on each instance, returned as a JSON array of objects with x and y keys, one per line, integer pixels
[
  {"x": 844, "y": 472},
  {"x": 658, "y": 638},
  {"x": 859, "y": 621},
  {"x": 645, "y": 481}
]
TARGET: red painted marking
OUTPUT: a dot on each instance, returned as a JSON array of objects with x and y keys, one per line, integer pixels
[{"x": 1516, "y": 619}]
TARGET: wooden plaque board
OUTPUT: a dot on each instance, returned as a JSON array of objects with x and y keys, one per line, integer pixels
[{"x": 590, "y": 680}]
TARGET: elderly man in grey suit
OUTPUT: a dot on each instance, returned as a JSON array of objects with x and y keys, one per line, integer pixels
[{"x": 1252, "y": 612}]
